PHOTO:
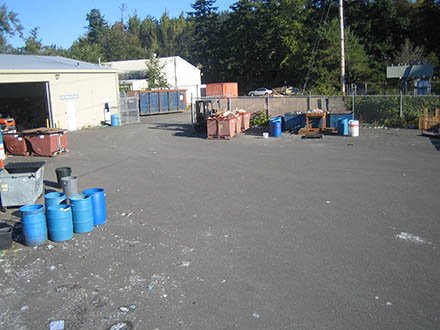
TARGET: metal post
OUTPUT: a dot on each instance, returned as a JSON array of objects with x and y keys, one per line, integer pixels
[
  {"x": 353, "y": 96},
  {"x": 267, "y": 106},
  {"x": 401, "y": 104},
  {"x": 341, "y": 25},
  {"x": 192, "y": 110}
]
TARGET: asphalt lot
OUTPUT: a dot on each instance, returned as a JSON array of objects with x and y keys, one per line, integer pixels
[{"x": 250, "y": 233}]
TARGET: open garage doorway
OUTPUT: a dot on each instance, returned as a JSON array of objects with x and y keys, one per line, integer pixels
[{"x": 27, "y": 103}]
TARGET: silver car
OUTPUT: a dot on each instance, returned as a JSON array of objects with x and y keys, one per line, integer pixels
[{"x": 260, "y": 92}]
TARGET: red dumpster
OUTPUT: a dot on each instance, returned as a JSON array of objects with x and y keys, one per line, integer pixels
[
  {"x": 238, "y": 124},
  {"x": 212, "y": 128},
  {"x": 15, "y": 144},
  {"x": 245, "y": 120},
  {"x": 46, "y": 142},
  {"x": 227, "y": 127}
]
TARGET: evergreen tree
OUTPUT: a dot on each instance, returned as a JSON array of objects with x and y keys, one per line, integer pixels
[
  {"x": 33, "y": 44},
  {"x": 96, "y": 27},
  {"x": 155, "y": 75},
  {"x": 9, "y": 26},
  {"x": 205, "y": 39}
]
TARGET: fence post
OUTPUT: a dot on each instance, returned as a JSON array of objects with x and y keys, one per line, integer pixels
[
  {"x": 266, "y": 101},
  {"x": 192, "y": 109},
  {"x": 401, "y": 104}
]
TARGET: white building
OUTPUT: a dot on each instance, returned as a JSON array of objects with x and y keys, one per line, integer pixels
[
  {"x": 40, "y": 91},
  {"x": 179, "y": 73}
]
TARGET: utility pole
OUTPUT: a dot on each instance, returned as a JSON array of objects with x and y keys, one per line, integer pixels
[
  {"x": 122, "y": 8},
  {"x": 341, "y": 25}
]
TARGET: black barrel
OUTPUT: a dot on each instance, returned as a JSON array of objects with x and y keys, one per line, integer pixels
[{"x": 61, "y": 173}]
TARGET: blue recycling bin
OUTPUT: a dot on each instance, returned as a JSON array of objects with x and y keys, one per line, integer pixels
[
  {"x": 343, "y": 126},
  {"x": 276, "y": 124}
]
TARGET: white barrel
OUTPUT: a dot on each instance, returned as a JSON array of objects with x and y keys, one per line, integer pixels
[
  {"x": 353, "y": 128},
  {"x": 2, "y": 152}
]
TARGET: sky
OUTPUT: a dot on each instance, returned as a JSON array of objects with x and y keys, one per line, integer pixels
[{"x": 61, "y": 22}]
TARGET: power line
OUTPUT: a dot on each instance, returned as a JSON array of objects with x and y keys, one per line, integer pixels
[{"x": 317, "y": 41}]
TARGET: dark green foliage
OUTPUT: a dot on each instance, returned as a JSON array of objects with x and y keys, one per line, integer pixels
[
  {"x": 259, "y": 119},
  {"x": 265, "y": 43},
  {"x": 155, "y": 76},
  {"x": 385, "y": 110},
  {"x": 97, "y": 26},
  {"x": 9, "y": 26}
]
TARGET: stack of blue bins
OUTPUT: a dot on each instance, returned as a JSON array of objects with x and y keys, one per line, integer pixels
[{"x": 62, "y": 220}]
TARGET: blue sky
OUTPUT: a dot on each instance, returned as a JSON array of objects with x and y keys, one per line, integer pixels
[{"x": 61, "y": 21}]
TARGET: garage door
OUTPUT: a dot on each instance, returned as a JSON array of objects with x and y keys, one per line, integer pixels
[{"x": 27, "y": 103}]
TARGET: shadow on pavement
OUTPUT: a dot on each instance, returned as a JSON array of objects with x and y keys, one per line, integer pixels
[
  {"x": 181, "y": 130},
  {"x": 435, "y": 142}
]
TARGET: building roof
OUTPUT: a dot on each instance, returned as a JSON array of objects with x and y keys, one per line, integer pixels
[
  {"x": 9, "y": 62},
  {"x": 139, "y": 65}
]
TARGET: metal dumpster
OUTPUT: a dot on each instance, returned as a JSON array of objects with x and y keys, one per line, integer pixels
[
  {"x": 21, "y": 183},
  {"x": 46, "y": 142}
]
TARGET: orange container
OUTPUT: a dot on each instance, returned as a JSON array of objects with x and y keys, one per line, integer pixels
[
  {"x": 227, "y": 127},
  {"x": 245, "y": 120},
  {"x": 227, "y": 89},
  {"x": 238, "y": 124},
  {"x": 212, "y": 127}
]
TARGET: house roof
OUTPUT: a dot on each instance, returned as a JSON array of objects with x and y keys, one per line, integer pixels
[{"x": 9, "y": 62}]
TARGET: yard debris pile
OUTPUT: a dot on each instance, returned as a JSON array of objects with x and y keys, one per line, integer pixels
[{"x": 227, "y": 124}]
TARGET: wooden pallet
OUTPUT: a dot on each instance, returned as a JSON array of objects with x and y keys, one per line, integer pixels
[{"x": 217, "y": 137}]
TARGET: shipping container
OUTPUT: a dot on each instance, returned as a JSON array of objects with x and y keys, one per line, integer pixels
[
  {"x": 227, "y": 89},
  {"x": 162, "y": 101},
  {"x": 144, "y": 102},
  {"x": 164, "y": 104}
]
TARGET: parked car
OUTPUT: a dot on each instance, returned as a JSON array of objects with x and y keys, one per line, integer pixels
[{"x": 260, "y": 92}]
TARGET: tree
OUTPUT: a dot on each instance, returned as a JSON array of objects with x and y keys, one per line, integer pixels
[
  {"x": 119, "y": 45},
  {"x": 155, "y": 76},
  {"x": 96, "y": 27},
  {"x": 408, "y": 53},
  {"x": 326, "y": 72},
  {"x": 148, "y": 35},
  {"x": 205, "y": 40},
  {"x": 83, "y": 50},
  {"x": 33, "y": 43},
  {"x": 9, "y": 26}
]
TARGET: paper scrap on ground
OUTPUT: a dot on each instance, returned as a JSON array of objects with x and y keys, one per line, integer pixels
[
  {"x": 411, "y": 238},
  {"x": 57, "y": 325}
]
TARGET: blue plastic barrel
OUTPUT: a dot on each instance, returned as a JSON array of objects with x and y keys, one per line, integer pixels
[
  {"x": 343, "y": 126},
  {"x": 54, "y": 198},
  {"x": 115, "y": 120},
  {"x": 99, "y": 206},
  {"x": 275, "y": 126},
  {"x": 33, "y": 223},
  {"x": 82, "y": 213},
  {"x": 59, "y": 222}
]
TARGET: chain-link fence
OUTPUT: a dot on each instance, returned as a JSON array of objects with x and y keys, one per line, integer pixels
[
  {"x": 386, "y": 110},
  {"x": 392, "y": 110},
  {"x": 129, "y": 109}
]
